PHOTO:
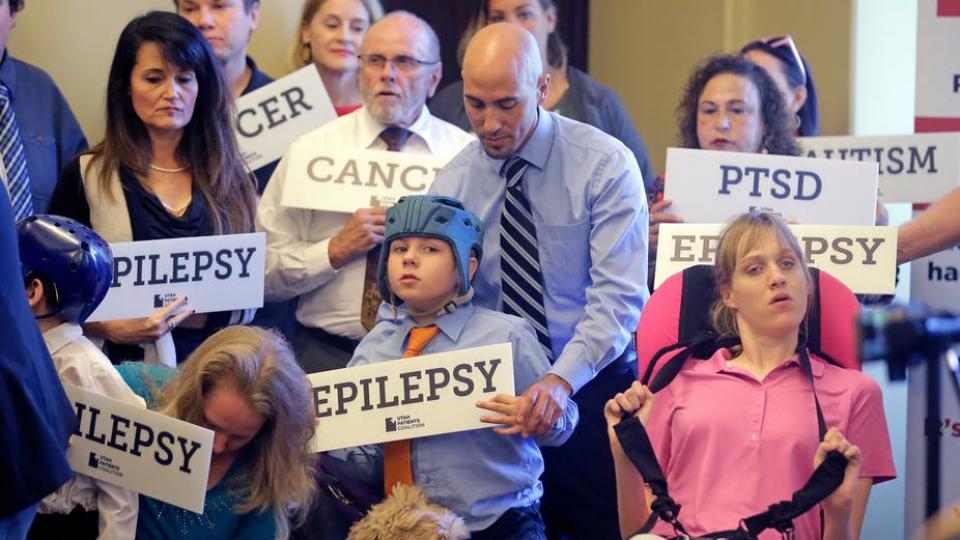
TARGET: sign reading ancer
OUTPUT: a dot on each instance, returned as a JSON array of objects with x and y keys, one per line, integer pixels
[{"x": 416, "y": 397}]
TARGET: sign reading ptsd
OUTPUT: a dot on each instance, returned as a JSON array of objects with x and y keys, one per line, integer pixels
[
  {"x": 215, "y": 273},
  {"x": 145, "y": 451},
  {"x": 269, "y": 119},
  {"x": 708, "y": 186},
  {"x": 408, "y": 398},
  {"x": 913, "y": 168},
  {"x": 342, "y": 180},
  {"x": 863, "y": 258}
]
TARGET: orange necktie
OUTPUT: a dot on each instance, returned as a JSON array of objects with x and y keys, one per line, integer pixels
[{"x": 397, "y": 463}]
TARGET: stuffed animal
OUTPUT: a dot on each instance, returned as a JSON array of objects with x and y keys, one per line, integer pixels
[{"x": 408, "y": 515}]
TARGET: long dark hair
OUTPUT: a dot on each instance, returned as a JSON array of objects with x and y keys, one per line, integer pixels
[
  {"x": 556, "y": 49},
  {"x": 777, "y": 124},
  {"x": 796, "y": 75},
  {"x": 208, "y": 143}
]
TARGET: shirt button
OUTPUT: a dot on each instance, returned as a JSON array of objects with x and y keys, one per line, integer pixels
[
  {"x": 753, "y": 437},
  {"x": 759, "y": 402}
]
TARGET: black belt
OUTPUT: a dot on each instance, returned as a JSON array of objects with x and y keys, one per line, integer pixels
[{"x": 345, "y": 344}]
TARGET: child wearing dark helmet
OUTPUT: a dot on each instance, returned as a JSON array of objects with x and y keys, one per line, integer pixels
[
  {"x": 491, "y": 478},
  {"x": 67, "y": 269}
]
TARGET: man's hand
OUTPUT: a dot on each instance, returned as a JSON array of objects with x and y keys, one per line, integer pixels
[
  {"x": 546, "y": 401},
  {"x": 363, "y": 231},
  {"x": 658, "y": 216}
]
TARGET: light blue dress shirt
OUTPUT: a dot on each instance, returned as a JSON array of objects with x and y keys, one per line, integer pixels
[
  {"x": 478, "y": 474},
  {"x": 588, "y": 203}
]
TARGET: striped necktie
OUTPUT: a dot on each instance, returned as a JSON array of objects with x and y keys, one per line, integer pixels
[
  {"x": 521, "y": 277},
  {"x": 14, "y": 159},
  {"x": 398, "y": 455}
]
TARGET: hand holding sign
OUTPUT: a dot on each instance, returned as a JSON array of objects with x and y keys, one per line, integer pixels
[
  {"x": 658, "y": 216},
  {"x": 363, "y": 231},
  {"x": 144, "y": 329}
]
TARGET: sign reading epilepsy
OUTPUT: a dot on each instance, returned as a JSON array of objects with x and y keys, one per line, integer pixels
[
  {"x": 342, "y": 180},
  {"x": 408, "y": 398},
  {"x": 269, "y": 119},
  {"x": 863, "y": 258},
  {"x": 708, "y": 186},
  {"x": 141, "y": 450},
  {"x": 216, "y": 273},
  {"x": 913, "y": 168}
]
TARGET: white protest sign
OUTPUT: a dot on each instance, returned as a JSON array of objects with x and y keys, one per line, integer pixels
[
  {"x": 863, "y": 258},
  {"x": 215, "y": 273},
  {"x": 709, "y": 186},
  {"x": 937, "y": 105},
  {"x": 269, "y": 119},
  {"x": 342, "y": 180},
  {"x": 145, "y": 451},
  {"x": 913, "y": 168},
  {"x": 408, "y": 398}
]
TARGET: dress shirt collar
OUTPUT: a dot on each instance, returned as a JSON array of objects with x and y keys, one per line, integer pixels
[
  {"x": 718, "y": 363},
  {"x": 8, "y": 75},
  {"x": 451, "y": 324},
  {"x": 61, "y": 335},
  {"x": 369, "y": 129}
]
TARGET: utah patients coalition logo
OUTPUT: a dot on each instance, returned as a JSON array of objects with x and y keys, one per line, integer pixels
[
  {"x": 105, "y": 464},
  {"x": 402, "y": 423}
]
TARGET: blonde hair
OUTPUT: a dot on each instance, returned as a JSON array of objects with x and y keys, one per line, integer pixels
[
  {"x": 260, "y": 364},
  {"x": 740, "y": 236},
  {"x": 300, "y": 52}
]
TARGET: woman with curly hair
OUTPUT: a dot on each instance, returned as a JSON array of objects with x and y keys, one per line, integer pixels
[
  {"x": 244, "y": 384},
  {"x": 730, "y": 104}
]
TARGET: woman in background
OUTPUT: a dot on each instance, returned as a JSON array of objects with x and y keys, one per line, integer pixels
[
  {"x": 330, "y": 35},
  {"x": 168, "y": 167},
  {"x": 782, "y": 61},
  {"x": 571, "y": 93}
]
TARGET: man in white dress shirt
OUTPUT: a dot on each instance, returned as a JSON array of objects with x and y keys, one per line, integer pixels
[{"x": 322, "y": 256}]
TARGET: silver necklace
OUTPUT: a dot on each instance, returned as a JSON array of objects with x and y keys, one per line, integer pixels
[{"x": 166, "y": 170}]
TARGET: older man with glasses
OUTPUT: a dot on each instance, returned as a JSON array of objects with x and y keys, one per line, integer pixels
[{"x": 322, "y": 257}]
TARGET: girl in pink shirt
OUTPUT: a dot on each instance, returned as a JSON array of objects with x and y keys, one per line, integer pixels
[{"x": 738, "y": 432}]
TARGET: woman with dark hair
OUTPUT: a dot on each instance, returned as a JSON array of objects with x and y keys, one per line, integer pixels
[
  {"x": 729, "y": 104},
  {"x": 782, "y": 61},
  {"x": 571, "y": 92},
  {"x": 168, "y": 167}
]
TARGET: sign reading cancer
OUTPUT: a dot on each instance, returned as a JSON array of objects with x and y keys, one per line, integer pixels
[
  {"x": 913, "y": 168},
  {"x": 863, "y": 258},
  {"x": 408, "y": 398},
  {"x": 342, "y": 180},
  {"x": 269, "y": 119},
  {"x": 708, "y": 186},
  {"x": 145, "y": 451},
  {"x": 215, "y": 273}
]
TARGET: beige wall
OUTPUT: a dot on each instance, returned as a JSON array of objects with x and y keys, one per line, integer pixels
[
  {"x": 646, "y": 49},
  {"x": 74, "y": 40}
]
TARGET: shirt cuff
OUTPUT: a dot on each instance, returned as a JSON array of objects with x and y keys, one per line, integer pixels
[
  {"x": 316, "y": 262},
  {"x": 573, "y": 370}
]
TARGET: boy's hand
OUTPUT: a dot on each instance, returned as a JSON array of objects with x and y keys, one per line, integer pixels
[
  {"x": 506, "y": 408},
  {"x": 546, "y": 401}
]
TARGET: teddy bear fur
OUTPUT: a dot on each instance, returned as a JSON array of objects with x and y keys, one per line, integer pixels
[{"x": 408, "y": 515}]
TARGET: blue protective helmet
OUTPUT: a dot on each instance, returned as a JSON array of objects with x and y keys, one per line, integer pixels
[
  {"x": 436, "y": 217},
  {"x": 76, "y": 261}
]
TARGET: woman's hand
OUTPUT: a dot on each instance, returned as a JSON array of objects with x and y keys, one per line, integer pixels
[
  {"x": 143, "y": 330},
  {"x": 658, "y": 216},
  {"x": 507, "y": 409},
  {"x": 636, "y": 400},
  {"x": 840, "y": 503}
]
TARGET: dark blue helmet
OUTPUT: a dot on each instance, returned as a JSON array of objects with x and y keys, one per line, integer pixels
[
  {"x": 76, "y": 261},
  {"x": 436, "y": 217}
]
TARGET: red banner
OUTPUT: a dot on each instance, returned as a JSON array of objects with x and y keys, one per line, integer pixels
[{"x": 948, "y": 8}]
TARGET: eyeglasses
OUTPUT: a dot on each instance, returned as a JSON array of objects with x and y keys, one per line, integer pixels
[
  {"x": 401, "y": 61},
  {"x": 786, "y": 41}
]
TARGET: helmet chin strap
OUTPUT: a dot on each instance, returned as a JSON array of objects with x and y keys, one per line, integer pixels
[{"x": 449, "y": 307}]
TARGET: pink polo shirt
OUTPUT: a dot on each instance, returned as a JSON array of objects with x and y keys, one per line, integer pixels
[{"x": 731, "y": 445}]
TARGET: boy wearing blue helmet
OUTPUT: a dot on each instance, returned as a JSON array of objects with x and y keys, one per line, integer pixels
[
  {"x": 491, "y": 478},
  {"x": 67, "y": 269}
]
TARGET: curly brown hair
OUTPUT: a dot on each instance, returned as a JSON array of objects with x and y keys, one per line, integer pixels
[{"x": 777, "y": 123}]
